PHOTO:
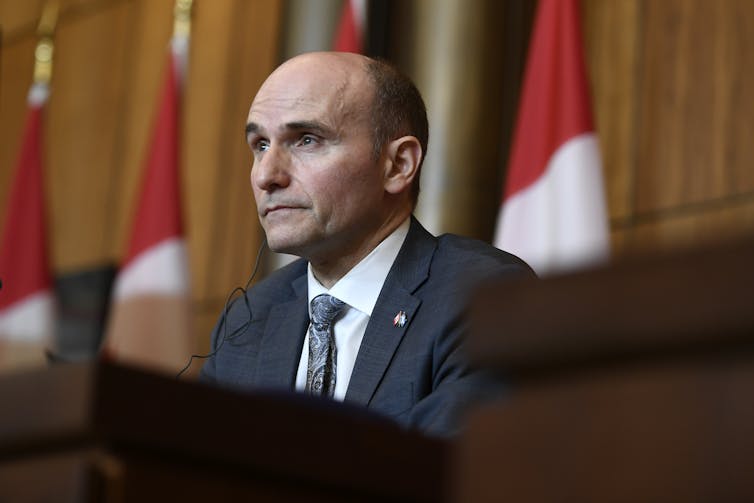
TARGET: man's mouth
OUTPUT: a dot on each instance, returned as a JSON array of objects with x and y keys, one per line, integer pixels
[{"x": 279, "y": 208}]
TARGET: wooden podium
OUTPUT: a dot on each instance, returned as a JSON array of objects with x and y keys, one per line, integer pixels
[
  {"x": 107, "y": 433},
  {"x": 630, "y": 383}
]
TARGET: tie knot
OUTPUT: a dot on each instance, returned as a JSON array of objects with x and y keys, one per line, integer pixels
[{"x": 325, "y": 308}]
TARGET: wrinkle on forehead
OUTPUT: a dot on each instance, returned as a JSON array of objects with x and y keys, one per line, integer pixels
[
  {"x": 296, "y": 96},
  {"x": 335, "y": 86}
]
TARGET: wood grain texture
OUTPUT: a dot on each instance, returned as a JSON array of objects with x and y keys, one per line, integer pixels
[
  {"x": 611, "y": 36},
  {"x": 19, "y": 17},
  {"x": 222, "y": 224},
  {"x": 738, "y": 147},
  {"x": 669, "y": 81},
  {"x": 688, "y": 114},
  {"x": 16, "y": 67},
  {"x": 83, "y": 133},
  {"x": 686, "y": 227}
]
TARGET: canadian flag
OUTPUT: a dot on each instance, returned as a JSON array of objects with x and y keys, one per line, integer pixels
[
  {"x": 26, "y": 298},
  {"x": 350, "y": 34},
  {"x": 553, "y": 213},
  {"x": 149, "y": 323}
]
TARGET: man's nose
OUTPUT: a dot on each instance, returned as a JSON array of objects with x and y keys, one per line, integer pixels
[{"x": 270, "y": 170}]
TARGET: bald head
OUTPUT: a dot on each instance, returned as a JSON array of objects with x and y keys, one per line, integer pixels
[
  {"x": 323, "y": 63},
  {"x": 368, "y": 90},
  {"x": 324, "y": 60}
]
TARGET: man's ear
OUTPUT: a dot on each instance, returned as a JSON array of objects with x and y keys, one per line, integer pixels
[{"x": 404, "y": 155}]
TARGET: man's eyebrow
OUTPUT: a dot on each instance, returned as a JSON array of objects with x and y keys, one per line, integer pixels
[
  {"x": 314, "y": 126},
  {"x": 307, "y": 125},
  {"x": 251, "y": 127}
]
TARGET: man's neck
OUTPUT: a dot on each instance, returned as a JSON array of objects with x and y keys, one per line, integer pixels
[{"x": 329, "y": 271}]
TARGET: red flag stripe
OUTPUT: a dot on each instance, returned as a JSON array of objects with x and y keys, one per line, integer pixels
[
  {"x": 158, "y": 213},
  {"x": 554, "y": 103},
  {"x": 24, "y": 265},
  {"x": 349, "y": 35}
]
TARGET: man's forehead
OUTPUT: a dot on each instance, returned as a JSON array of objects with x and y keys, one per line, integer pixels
[
  {"x": 304, "y": 89},
  {"x": 279, "y": 111},
  {"x": 321, "y": 64},
  {"x": 316, "y": 74}
]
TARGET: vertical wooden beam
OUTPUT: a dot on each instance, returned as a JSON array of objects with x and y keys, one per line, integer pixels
[{"x": 455, "y": 53}]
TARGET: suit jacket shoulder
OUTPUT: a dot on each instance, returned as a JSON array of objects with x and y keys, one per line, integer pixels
[
  {"x": 472, "y": 261},
  {"x": 417, "y": 372}
]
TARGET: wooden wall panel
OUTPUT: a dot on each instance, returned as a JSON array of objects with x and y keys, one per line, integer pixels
[
  {"x": 670, "y": 82},
  {"x": 611, "y": 37},
  {"x": 16, "y": 67},
  {"x": 686, "y": 228},
  {"x": 737, "y": 146},
  {"x": 222, "y": 218},
  {"x": 82, "y": 129},
  {"x": 19, "y": 18},
  {"x": 687, "y": 114},
  {"x": 205, "y": 131}
]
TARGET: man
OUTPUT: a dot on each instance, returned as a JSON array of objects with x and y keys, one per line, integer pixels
[{"x": 338, "y": 142}]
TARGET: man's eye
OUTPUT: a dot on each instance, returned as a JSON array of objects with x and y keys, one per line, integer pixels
[
  {"x": 307, "y": 139},
  {"x": 261, "y": 146}
]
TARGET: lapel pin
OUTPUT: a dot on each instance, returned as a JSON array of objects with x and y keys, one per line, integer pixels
[{"x": 400, "y": 319}]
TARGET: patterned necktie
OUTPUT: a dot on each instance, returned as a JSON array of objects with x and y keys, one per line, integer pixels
[{"x": 320, "y": 373}]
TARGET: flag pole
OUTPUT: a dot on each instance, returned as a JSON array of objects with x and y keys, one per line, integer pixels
[
  {"x": 182, "y": 18},
  {"x": 45, "y": 46}
]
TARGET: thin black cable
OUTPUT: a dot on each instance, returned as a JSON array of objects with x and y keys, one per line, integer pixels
[{"x": 226, "y": 308}]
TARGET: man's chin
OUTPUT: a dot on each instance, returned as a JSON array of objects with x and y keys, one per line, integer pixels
[{"x": 288, "y": 246}]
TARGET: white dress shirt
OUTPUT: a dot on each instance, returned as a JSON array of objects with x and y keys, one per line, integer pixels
[{"x": 359, "y": 288}]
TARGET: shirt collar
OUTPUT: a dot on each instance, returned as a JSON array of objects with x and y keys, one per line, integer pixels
[{"x": 361, "y": 286}]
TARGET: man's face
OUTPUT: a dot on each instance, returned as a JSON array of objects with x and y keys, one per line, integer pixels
[{"x": 318, "y": 188}]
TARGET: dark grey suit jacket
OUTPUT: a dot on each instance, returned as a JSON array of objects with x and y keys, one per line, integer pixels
[{"x": 416, "y": 374}]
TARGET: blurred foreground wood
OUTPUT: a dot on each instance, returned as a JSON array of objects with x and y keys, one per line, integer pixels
[
  {"x": 630, "y": 383},
  {"x": 107, "y": 433}
]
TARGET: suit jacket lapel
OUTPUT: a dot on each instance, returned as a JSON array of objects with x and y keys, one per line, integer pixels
[
  {"x": 382, "y": 336},
  {"x": 283, "y": 338}
]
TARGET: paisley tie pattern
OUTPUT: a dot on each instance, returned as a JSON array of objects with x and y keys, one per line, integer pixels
[{"x": 320, "y": 373}]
